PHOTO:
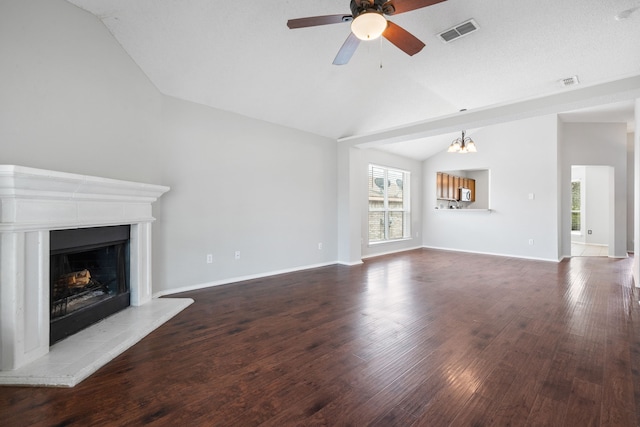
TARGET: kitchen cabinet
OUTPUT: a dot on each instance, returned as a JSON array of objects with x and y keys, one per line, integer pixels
[
  {"x": 452, "y": 188},
  {"x": 448, "y": 186},
  {"x": 457, "y": 187}
]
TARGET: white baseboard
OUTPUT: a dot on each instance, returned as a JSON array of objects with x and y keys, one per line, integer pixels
[
  {"x": 238, "y": 279},
  {"x": 349, "y": 264},
  {"x": 493, "y": 254}
]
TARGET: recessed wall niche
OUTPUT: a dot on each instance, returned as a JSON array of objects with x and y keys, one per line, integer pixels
[{"x": 448, "y": 184}]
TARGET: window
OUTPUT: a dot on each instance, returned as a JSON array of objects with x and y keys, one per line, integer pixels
[
  {"x": 575, "y": 206},
  {"x": 389, "y": 215}
]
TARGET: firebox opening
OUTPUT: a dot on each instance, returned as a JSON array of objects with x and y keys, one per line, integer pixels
[{"x": 89, "y": 277}]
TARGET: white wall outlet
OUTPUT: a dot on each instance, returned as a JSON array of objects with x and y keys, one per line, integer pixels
[
  {"x": 531, "y": 242},
  {"x": 237, "y": 254},
  {"x": 209, "y": 258},
  {"x": 320, "y": 246},
  {"x": 532, "y": 196}
]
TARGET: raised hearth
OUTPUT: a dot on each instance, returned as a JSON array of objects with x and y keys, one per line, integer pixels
[{"x": 33, "y": 202}]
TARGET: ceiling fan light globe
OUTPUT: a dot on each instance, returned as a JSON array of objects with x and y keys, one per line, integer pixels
[{"x": 368, "y": 25}]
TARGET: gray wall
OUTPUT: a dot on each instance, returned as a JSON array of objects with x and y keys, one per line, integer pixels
[
  {"x": 239, "y": 184},
  {"x": 72, "y": 100},
  {"x": 598, "y": 144},
  {"x": 521, "y": 157}
]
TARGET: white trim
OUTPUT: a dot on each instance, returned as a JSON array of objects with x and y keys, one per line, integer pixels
[
  {"x": 385, "y": 242},
  {"x": 238, "y": 279},
  {"x": 492, "y": 254},
  {"x": 349, "y": 264},
  {"x": 392, "y": 252}
]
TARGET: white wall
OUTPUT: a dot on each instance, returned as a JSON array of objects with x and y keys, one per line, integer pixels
[
  {"x": 239, "y": 184},
  {"x": 601, "y": 144},
  {"x": 72, "y": 100},
  {"x": 522, "y": 159},
  {"x": 597, "y": 206},
  {"x": 482, "y": 179}
]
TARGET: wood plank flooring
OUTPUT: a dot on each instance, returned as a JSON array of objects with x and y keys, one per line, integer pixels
[{"x": 422, "y": 338}]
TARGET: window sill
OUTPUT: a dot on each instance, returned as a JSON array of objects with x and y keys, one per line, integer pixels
[{"x": 383, "y": 242}]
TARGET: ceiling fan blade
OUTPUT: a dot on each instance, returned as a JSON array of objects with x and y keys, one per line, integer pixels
[
  {"x": 403, "y": 39},
  {"x": 402, "y": 6},
  {"x": 318, "y": 20},
  {"x": 347, "y": 50}
]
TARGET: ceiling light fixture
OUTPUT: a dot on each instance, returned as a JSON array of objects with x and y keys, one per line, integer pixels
[
  {"x": 369, "y": 25},
  {"x": 462, "y": 145}
]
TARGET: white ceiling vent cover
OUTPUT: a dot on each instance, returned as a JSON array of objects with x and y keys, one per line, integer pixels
[
  {"x": 569, "y": 81},
  {"x": 460, "y": 30}
]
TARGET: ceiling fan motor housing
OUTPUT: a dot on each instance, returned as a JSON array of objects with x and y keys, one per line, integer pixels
[{"x": 380, "y": 6}]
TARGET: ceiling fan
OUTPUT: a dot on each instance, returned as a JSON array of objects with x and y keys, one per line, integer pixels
[{"x": 368, "y": 23}]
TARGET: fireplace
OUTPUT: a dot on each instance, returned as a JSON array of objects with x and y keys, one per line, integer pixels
[
  {"x": 36, "y": 208},
  {"x": 89, "y": 277}
]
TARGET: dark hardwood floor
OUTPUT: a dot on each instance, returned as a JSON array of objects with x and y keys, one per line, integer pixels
[{"x": 422, "y": 338}]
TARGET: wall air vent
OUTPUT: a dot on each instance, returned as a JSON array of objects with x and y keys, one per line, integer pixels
[
  {"x": 458, "y": 31},
  {"x": 569, "y": 81}
]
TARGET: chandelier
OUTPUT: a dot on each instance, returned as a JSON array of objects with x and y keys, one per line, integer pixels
[{"x": 462, "y": 145}]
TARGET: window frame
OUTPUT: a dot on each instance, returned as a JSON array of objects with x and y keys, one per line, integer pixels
[{"x": 388, "y": 210}]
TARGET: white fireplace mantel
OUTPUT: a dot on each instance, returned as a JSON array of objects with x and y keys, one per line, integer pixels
[
  {"x": 36, "y": 199},
  {"x": 32, "y": 203}
]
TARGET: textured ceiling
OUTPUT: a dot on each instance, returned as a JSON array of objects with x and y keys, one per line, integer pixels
[{"x": 241, "y": 57}]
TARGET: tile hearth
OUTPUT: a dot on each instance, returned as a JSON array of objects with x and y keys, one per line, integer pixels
[{"x": 77, "y": 357}]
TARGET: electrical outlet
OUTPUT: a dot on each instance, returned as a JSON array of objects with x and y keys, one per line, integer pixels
[
  {"x": 209, "y": 258},
  {"x": 237, "y": 255},
  {"x": 531, "y": 242},
  {"x": 320, "y": 246}
]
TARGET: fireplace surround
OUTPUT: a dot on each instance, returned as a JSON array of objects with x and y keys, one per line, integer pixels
[{"x": 34, "y": 202}]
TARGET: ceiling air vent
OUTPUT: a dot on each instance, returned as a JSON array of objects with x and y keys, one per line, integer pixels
[
  {"x": 458, "y": 31},
  {"x": 569, "y": 81}
]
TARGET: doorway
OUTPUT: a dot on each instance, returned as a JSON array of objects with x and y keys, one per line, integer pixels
[{"x": 592, "y": 228}]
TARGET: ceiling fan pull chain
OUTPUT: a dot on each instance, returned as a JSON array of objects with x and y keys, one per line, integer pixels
[{"x": 381, "y": 53}]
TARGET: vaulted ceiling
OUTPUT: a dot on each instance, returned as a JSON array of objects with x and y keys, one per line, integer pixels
[{"x": 241, "y": 57}]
